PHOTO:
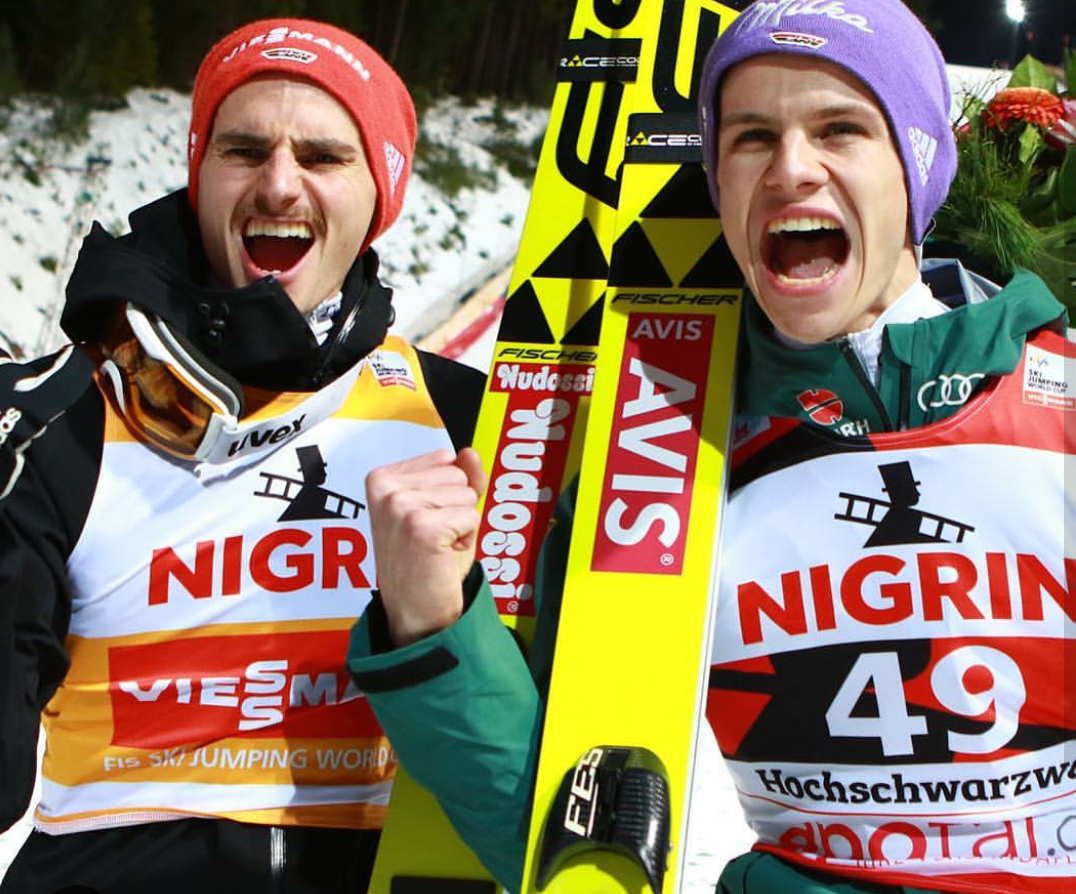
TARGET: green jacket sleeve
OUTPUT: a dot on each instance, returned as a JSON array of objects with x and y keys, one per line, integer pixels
[
  {"x": 463, "y": 708},
  {"x": 463, "y": 714}
]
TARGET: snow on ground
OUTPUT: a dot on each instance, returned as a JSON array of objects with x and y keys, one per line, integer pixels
[
  {"x": 427, "y": 233},
  {"x": 437, "y": 252},
  {"x": 439, "y": 249},
  {"x": 49, "y": 196}
]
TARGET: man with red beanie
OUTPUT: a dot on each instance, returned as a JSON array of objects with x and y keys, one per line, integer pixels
[{"x": 184, "y": 541}]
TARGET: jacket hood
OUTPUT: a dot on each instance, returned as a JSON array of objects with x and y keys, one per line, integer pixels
[{"x": 255, "y": 333}]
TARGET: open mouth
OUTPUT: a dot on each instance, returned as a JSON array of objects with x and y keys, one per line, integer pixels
[
  {"x": 804, "y": 251},
  {"x": 276, "y": 247}
]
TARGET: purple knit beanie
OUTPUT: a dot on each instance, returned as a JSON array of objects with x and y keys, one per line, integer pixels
[{"x": 886, "y": 47}]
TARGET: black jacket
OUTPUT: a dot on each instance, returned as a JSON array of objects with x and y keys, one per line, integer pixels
[{"x": 255, "y": 334}]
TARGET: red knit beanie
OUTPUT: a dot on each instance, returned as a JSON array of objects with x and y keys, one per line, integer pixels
[{"x": 337, "y": 62}]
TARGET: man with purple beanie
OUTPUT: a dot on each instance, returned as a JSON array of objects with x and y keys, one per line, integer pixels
[{"x": 888, "y": 678}]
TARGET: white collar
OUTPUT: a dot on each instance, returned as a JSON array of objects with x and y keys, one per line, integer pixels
[
  {"x": 916, "y": 303},
  {"x": 320, "y": 319}
]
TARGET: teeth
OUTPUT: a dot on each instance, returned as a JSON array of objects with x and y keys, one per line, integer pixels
[
  {"x": 811, "y": 281},
  {"x": 295, "y": 230},
  {"x": 801, "y": 224}
]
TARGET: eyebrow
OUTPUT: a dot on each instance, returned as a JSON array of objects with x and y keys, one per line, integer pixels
[
  {"x": 313, "y": 145},
  {"x": 836, "y": 111}
]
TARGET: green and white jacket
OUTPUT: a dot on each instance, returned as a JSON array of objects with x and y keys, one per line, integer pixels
[{"x": 463, "y": 707}]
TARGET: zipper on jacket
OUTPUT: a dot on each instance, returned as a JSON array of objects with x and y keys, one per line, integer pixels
[
  {"x": 278, "y": 857},
  {"x": 318, "y": 375},
  {"x": 905, "y": 408},
  {"x": 861, "y": 374}
]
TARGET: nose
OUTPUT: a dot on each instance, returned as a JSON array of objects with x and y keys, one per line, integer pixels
[
  {"x": 796, "y": 166},
  {"x": 280, "y": 182}
]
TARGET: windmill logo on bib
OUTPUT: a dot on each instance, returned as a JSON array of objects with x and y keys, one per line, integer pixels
[
  {"x": 306, "y": 498},
  {"x": 895, "y": 520}
]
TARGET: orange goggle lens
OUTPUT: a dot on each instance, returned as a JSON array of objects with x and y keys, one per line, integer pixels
[{"x": 158, "y": 402}]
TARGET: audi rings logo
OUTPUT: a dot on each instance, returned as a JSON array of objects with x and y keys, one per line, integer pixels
[{"x": 948, "y": 391}]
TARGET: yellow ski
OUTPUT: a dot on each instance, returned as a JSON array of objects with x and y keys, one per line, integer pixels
[
  {"x": 620, "y": 227},
  {"x": 632, "y": 654},
  {"x": 539, "y": 385}
]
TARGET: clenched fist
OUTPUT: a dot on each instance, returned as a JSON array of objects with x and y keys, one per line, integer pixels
[{"x": 424, "y": 518}]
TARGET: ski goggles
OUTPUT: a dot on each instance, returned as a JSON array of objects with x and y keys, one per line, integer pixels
[{"x": 167, "y": 393}]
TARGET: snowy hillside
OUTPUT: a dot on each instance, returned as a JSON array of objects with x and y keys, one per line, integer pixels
[{"x": 440, "y": 247}]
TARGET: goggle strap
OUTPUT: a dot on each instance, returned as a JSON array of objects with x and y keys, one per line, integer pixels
[{"x": 231, "y": 398}]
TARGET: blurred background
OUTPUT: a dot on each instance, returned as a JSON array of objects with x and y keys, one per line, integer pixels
[{"x": 92, "y": 52}]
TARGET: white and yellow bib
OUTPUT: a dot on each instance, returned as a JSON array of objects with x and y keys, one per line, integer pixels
[{"x": 212, "y": 605}]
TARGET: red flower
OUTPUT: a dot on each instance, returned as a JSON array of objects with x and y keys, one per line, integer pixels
[{"x": 1031, "y": 104}]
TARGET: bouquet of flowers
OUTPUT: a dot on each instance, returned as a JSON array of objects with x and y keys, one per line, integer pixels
[{"x": 1013, "y": 203}]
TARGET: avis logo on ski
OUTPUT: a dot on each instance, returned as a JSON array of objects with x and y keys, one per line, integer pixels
[{"x": 646, "y": 499}]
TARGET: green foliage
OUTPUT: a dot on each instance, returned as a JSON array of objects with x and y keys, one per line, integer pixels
[
  {"x": 423, "y": 99},
  {"x": 75, "y": 57},
  {"x": 521, "y": 161},
  {"x": 1066, "y": 186},
  {"x": 69, "y": 123},
  {"x": 24, "y": 158},
  {"x": 981, "y": 212},
  {"x": 1032, "y": 73},
  {"x": 10, "y": 82},
  {"x": 132, "y": 50},
  {"x": 94, "y": 51},
  {"x": 503, "y": 126},
  {"x": 443, "y": 167},
  {"x": 1013, "y": 203},
  {"x": 454, "y": 239},
  {"x": 1030, "y": 144}
]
